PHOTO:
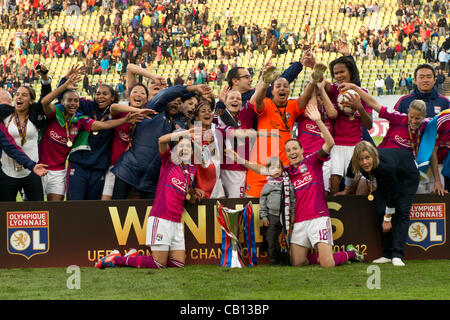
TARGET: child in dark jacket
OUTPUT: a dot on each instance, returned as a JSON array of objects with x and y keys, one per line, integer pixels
[{"x": 277, "y": 205}]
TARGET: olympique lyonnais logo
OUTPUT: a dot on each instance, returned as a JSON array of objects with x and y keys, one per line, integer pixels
[
  {"x": 28, "y": 232},
  {"x": 427, "y": 225}
]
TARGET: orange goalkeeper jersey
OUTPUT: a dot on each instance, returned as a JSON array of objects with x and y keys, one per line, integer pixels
[{"x": 272, "y": 118}]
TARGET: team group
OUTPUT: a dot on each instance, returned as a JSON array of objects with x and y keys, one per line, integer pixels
[{"x": 176, "y": 144}]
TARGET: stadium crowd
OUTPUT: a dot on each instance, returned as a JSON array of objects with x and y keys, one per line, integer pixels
[
  {"x": 99, "y": 148},
  {"x": 161, "y": 32}
]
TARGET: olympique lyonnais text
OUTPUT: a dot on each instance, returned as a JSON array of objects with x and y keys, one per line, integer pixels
[
  {"x": 38, "y": 219},
  {"x": 427, "y": 211}
]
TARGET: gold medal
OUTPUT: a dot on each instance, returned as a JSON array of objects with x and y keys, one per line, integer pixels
[
  {"x": 370, "y": 197},
  {"x": 188, "y": 196},
  {"x": 69, "y": 143},
  {"x": 352, "y": 117},
  {"x": 95, "y": 133},
  {"x": 17, "y": 166}
]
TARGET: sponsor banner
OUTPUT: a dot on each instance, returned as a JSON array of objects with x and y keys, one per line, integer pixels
[{"x": 81, "y": 232}]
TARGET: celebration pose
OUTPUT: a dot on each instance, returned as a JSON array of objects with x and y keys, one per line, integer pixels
[
  {"x": 165, "y": 234},
  {"x": 312, "y": 225},
  {"x": 23, "y": 122},
  {"x": 123, "y": 134},
  {"x": 348, "y": 129},
  {"x": 63, "y": 126},
  {"x": 277, "y": 113}
]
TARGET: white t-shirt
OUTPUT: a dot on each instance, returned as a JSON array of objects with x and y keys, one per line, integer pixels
[{"x": 30, "y": 147}]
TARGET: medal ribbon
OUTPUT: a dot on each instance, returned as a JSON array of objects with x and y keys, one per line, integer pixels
[
  {"x": 131, "y": 134},
  {"x": 283, "y": 117},
  {"x": 22, "y": 128},
  {"x": 68, "y": 125},
  {"x": 187, "y": 178},
  {"x": 414, "y": 144}
]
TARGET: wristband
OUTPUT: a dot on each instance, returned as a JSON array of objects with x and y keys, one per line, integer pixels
[
  {"x": 390, "y": 210},
  {"x": 387, "y": 219},
  {"x": 49, "y": 81}
]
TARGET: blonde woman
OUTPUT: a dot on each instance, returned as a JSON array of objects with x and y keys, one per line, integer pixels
[{"x": 394, "y": 178}]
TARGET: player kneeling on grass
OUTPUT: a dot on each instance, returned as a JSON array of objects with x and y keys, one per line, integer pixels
[
  {"x": 312, "y": 224},
  {"x": 165, "y": 234}
]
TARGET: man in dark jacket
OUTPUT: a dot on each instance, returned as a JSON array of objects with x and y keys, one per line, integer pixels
[
  {"x": 440, "y": 79},
  {"x": 425, "y": 79},
  {"x": 389, "y": 83}
]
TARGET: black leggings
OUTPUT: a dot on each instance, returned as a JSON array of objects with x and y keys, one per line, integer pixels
[
  {"x": 31, "y": 184},
  {"x": 122, "y": 190}
]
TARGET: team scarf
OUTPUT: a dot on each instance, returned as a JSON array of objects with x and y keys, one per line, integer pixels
[
  {"x": 231, "y": 222},
  {"x": 427, "y": 145},
  {"x": 285, "y": 213}
]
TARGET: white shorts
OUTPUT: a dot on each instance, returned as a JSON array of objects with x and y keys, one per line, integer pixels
[
  {"x": 326, "y": 175},
  {"x": 54, "y": 182},
  {"x": 233, "y": 182},
  {"x": 340, "y": 158},
  {"x": 164, "y": 235},
  {"x": 110, "y": 178},
  {"x": 310, "y": 232}
]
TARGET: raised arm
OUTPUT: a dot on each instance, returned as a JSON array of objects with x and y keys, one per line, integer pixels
[
  {"x": 111, "y": 124},
  {"x": 268, "y": 76},
  {"x": 162, "y": 98},
  {"x": 252, "y": 133},
  {"x": 330, "y": 110},
  {"x": 117, "y": 108},
  {"x": 69, "y": 84},
  {"x": 46, "y": 82},
  {"x": 133, "y": 71},
  {"x": 316, "y": 77},
  {"x": 256, "y": 167},
  {"x": 291, "y": 73},
  {"x": 312, "y": 113},
  {"x": 163, "y": 141}
]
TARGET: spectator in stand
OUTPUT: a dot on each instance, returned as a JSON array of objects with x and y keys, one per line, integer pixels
[
  {"x": 379, "y": 85},
  {"x": 403, "y": 84},
  {"x": 390, "y": 53},
  {"x": 399, "y": 51},
  {"x": 442, "y": 57},
  {"x": 442, "y": 25},
  {"x": 389, "y": 82},
  {"x": 440, "y": 80}
]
